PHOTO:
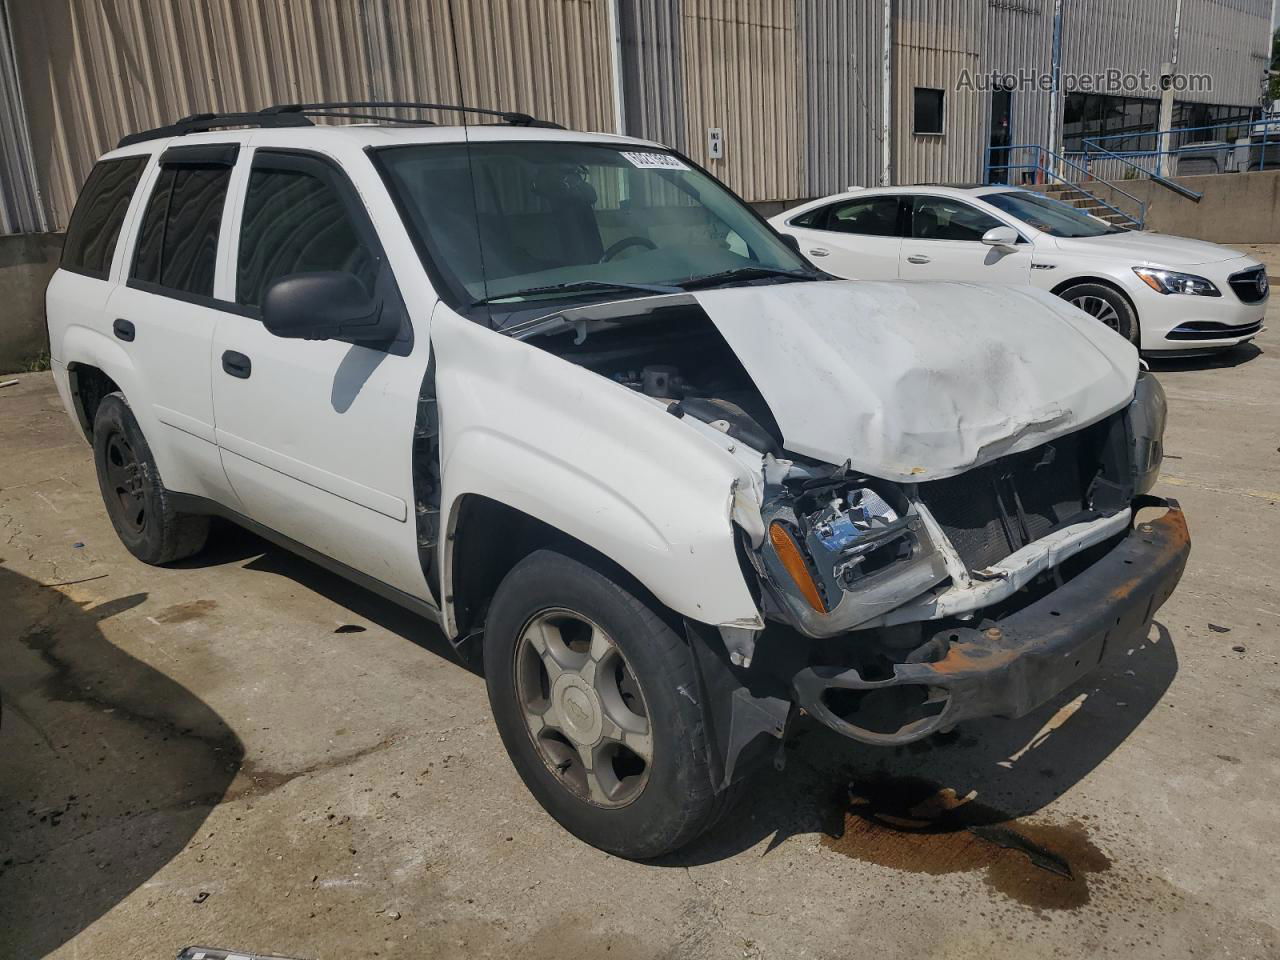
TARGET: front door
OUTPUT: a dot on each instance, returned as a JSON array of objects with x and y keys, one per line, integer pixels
[
  {"x": 945, "y": 243},
  {"x": 316, "y": 436}
]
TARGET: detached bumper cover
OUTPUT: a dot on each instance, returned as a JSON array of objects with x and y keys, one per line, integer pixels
[{"x": 1011, "y": 666}]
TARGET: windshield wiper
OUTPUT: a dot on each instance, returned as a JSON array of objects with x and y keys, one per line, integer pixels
[
  {"x": 746, "y": 273},
  {"x": 578, "y": 286}
]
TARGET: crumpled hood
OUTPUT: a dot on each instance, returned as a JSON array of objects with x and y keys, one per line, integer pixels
[
  {"x": 920, "y": 381},
  {"x": 1149, "y": 249}
]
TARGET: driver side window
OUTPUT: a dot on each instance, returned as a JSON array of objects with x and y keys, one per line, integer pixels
[
  {"x": 295, "y": 222},
  {"x": 940, "y": 218}
]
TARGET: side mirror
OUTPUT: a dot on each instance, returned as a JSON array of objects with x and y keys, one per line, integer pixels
[
  {"x": 1002, "y": 237},
  {"x": 327, "y": 305},
  {"x": 791, "y": 241}
]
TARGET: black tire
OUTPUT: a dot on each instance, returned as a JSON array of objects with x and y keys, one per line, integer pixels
[
  {"x": 140, "y": 508},
  {"x": 677, "y": 801},
  {"x": 1108, "y": 305}
]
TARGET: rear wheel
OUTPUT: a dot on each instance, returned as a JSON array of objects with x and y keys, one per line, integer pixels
[
  {"x": 597, "y": 701},
  {"x": 1105, "y": 305},
  {"x": 139, "y": 506}
]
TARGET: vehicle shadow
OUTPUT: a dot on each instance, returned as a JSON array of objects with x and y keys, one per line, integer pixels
[
  {"x": 1012, "y": 768},
  {"x": 108, "y": 767},
  {"x": 1231, "y": 357},
  {"x": 229, "y": 543}
]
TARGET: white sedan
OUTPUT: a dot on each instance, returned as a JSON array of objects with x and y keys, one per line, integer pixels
[{"x": 1166, "y": 294}]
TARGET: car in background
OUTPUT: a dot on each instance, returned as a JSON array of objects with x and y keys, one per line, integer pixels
[{"x": 1164, "y": 294}]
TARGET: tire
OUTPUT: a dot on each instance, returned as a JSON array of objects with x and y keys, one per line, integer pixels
[
  {"x": 1107, "y": 305},
  {"x": 137, "y": 502},
  {"x": 567, "y": 603}
]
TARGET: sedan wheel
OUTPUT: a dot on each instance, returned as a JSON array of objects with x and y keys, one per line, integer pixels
[
  {"x": 1106, "y": 305},
  {"x": 1099, "y": 309}
]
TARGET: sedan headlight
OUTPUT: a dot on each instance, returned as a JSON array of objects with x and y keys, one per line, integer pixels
[
  {"x": 1147, "y": 414},
  {"x": 1170, "y": 281}
]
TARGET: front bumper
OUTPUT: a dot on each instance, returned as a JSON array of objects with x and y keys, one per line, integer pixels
[{"x": 1010, "y": 666}]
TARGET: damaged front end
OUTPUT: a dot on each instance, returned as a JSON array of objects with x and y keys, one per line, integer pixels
[
  {"x": 934, "y": 579},
  {"x": 901, "y": 609}
]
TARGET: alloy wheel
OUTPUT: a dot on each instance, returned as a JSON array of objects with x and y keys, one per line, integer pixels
[
  {"x": 583, "y": 707},
  {"x": 1099, "y": 309}
]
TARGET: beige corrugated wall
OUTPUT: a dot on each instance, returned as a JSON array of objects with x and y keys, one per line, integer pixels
[
  {"x": 93, "y": 70},
  {"x": 934, "y": 40},
  {"x": 741, "y": 63}
]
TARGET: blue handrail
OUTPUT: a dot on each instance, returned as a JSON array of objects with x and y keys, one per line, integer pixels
[{"x": 1046, "y": 171}]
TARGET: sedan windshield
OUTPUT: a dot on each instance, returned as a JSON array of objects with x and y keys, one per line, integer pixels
[
  {"x": 1050, "y": 216},
  {"x": 517, "y": 222}
]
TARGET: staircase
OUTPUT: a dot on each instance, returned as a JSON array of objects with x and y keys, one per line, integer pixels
[
  {"x": 1066, "y": 180},
  {"x": 1084, "y": 201}
]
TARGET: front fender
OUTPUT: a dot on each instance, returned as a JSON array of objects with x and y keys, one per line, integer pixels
[{"x": 594, "y": 460}]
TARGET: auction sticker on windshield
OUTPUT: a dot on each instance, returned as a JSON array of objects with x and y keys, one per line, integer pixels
[{"x": 654, "y": 161}]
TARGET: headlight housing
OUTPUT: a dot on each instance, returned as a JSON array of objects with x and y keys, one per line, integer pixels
[
  {"x": 1148, "y": 412},
  {"x": 842, "y": 550},
  {"x": 1170, "y": 281}
]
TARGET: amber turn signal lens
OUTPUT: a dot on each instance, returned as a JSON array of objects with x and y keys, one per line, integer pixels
[{"x": 793, "y": 562}]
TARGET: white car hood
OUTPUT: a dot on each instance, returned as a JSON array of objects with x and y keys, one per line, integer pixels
[
  {"x": 1149, "y": 249},
  {"x": 921, "y": 381}
]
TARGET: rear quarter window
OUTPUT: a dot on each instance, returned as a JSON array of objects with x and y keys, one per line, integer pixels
[{"x": 95, "y": 223}]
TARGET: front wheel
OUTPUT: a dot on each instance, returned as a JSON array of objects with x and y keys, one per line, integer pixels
[
  {"x": 598, "y": 703},
  {"x": 1107, "y": 306}
]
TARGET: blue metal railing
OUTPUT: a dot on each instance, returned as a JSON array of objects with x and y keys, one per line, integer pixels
[
  {"x": 1043, "y": 166},
  {"x": 1222, "y": 145}
]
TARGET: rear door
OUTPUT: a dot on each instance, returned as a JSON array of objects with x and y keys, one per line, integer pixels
[
  {"x": 165, "y": 314},
  {"x": 858, "y": 239},
  {"x": 316, "y": 436},
  {"x": 945, "y": 243}
]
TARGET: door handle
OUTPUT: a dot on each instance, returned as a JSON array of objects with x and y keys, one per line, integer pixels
[
  {"x": 237, "y": 364},
  {"x": 917, "y": 258},
  {"x": 124, "y": 330},
  {"x": 819, "y": 252}
]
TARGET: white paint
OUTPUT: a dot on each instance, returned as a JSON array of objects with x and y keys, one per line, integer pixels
[
  {"x": 895, "y": 379},
  {"x": 1042, "y": 261}
]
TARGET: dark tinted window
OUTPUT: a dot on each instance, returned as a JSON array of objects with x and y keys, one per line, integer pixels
[
  {"x": 295, "y": 222},
  {"x": 814, "y": 219},
  {"x": 928, "y": 110},
  {"x": 178, "y": 241},
  {"x": 95, "y": 224},
  {"x": 870, "y": 216},
  {"x": 937, "y": 218}
]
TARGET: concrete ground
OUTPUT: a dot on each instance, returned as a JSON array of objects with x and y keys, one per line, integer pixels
[{"x": 247, "y": 752}]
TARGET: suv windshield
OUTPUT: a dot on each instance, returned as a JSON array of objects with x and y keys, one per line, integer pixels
[
  {"x": 1051, "y": 216},
  {"x": 514, "y": 222}
]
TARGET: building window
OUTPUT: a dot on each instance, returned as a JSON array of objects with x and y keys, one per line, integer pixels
[{"x": 928, "y": 111}]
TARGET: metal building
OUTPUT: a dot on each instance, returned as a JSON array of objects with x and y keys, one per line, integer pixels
[{"x": 806, "y": 96}]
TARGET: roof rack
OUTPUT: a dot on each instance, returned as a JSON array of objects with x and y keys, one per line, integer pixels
[{"x": 300, "y": 114}]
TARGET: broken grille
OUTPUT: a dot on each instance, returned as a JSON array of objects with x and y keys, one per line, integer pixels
[{"x": 993, "y": 510}]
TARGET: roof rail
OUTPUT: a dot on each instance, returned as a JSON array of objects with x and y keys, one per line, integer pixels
[{"x": 299, "y": 115}]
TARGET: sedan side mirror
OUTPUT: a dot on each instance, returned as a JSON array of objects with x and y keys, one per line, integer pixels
[
  {"x": 326, "y": 305},
  {"x": 1003, "y": 237}
]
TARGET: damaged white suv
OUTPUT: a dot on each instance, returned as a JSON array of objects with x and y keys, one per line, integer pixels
[{"x": 568, "y": 397}]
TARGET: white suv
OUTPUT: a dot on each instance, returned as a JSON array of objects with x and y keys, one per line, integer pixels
[
  {"x": 568, "y": 397},
  {"x": 1168, "y": 295}
]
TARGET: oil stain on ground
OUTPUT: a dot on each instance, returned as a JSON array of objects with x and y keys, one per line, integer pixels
[
  {"x": 186, "y": 612},
  {"x": 922, "y": 827}
]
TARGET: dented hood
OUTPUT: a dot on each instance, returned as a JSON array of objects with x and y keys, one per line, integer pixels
[{"x": 920, "y": 381}]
